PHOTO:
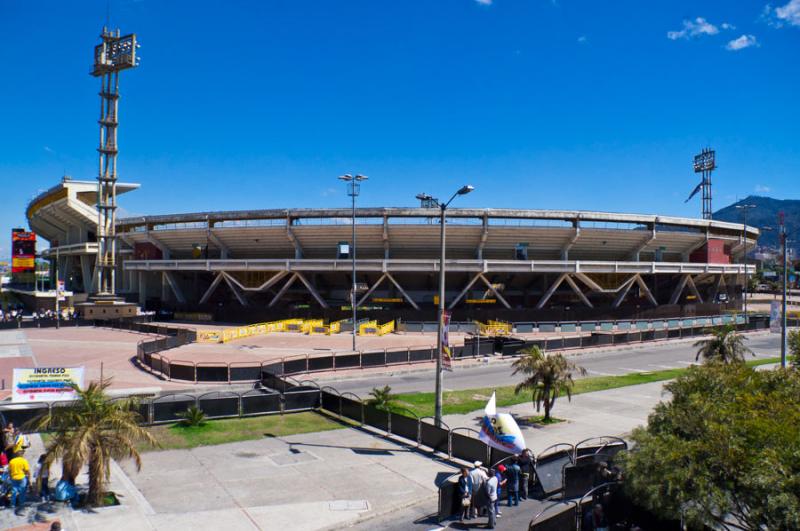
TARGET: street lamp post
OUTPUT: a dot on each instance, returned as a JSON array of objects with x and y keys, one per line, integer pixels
[
  {"x": 783, "y": 297},
  {"x": 353, "y": 189},
  {"x": 744, "y": 209},
  {"x": 439, "y": 345}
]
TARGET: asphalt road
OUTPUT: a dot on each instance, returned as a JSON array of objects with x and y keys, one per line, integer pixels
[{"x": 623, "y": 360}]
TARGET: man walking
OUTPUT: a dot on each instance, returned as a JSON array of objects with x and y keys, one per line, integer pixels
[
  {"x": 512, "y": 484},
  {"x": 526, "y": 469},
  {"x": 478, "y": 477},
  {"x": 491, "y": 493},
  {"x": 20, "y": 472}
]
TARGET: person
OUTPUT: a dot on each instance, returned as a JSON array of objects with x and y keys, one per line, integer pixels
[
  {"x": 526, "y": 470},
  {"x": 478, "y": 477},
  {"x": 20, "y": 472},
  {"x": 595, "y": 520},
  {"x": 492, "y": 493},
  {"x": 465, "y": 493},
  {"x": 500, "y": 474},
  {"x": 512, "y": 478},
  {"x": 8, "y": 440},
  {"x": 56, "y": 526},
  {"x": 66, "y": 491},
  {"x": 43, "y": 477}
]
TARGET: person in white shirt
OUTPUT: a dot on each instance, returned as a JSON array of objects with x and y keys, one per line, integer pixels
[
  {"x": 491, "y": 493},
  {"x": 478, "y": 477}
]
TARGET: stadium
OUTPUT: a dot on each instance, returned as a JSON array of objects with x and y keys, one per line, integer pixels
[{"x": 517, "y": 265}]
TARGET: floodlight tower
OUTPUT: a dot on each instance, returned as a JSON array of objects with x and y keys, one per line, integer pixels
[
  {"x": 115, "y": 54},
  {"x": 705, "y": 163}
]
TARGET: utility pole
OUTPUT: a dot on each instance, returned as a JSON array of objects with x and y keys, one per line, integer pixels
[
  {"x": 744, "y": 209},
  {"x": 783, "y": 299},
  {"x": 353, "y": 189},
  {"x": 58, "y": 293}
]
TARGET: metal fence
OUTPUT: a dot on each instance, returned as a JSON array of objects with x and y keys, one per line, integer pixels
[{"x": 626, "y": 332}]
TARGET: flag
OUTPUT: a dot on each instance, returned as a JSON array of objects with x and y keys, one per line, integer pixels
[
  {"x": 447, "y": 356},
  {"x": 500, "y": 430},
  {"x": 694, "y": 192}
]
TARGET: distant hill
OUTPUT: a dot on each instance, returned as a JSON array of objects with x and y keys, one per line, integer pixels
[{"x": 766, "y": 215}]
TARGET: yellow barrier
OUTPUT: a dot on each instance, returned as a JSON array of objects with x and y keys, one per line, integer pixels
[
  {"x": 494, "y": 328},
  {"x": 209, "y": 336},
  {"x": 310, "y": 326},
  {"x": 370, "y": 328},
  {"x": 335, "y": 327},
  {"x": 387, "y": 328}
]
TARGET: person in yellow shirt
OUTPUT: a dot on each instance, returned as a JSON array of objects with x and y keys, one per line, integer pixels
[{"x": 20, "y": 472}]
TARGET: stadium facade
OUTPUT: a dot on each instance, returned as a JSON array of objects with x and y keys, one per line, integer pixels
[{"x": 501, "y": 263}]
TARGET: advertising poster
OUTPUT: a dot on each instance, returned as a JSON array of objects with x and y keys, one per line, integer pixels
[
  {"x": 447, "y": 358},
  {"x": 775, "y": 317},
  {"x": 23, "y": 256},
  {"x": 46, "y": 384}
]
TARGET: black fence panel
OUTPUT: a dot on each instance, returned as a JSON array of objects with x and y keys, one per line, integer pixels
[
  {"x": 264, "y": 403},
  {"x": 648, "y": 335},
  {"x": 558, "y": 519},
  {"x": 320, "y": 363},
  {"x": 295, "y": 366},
  {"x": 467, "y": 448},
  {"x": 511, "y": 347},
  {"x": 433, "y": 437},
  {"x": 212, "y": 373},
  {"x": 352, "y": 409},
  {"x": 449, "y": 500},
  {"x": 301, "y": 400},
  {"x": 330, "y": 402},
  {"x": 549, "y": 468},
  {"x": 421, "y": 355},
  {"x": 179, "y": 371},
  {"x": 245, "y": 373},
  {"x": 674, "y": 333},
  {"x": 373, "y": 359},
  {"x": 602, "y": 338},
  {"x": 168, "y": 410},
  {"x": 227, "y": 406},
  {"x": 20, "y": 414},
  {"x": 659, "y": 333},
  {"x": 579, "y": 478},
  {"x": 498, "y": 455},
  {"x": 555, "y": 343},
  {"x": 396, "y": 356},
  {"x": 377, "y": 418},
  {"x": 405, "y": 426},
  {"x": 346, "y": 361},
  {"x": 572, "y": 342}
]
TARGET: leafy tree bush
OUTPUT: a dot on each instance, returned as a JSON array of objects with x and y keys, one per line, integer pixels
[
  {"x": 724, "y": 451},
  {"x": 548, "y": 376},
  {"x": 793, "y": 340},
  {"x": 382, "y": 398},
  {"x": 725, "y": 345},
  {"x": 93, "y": 430},
  {"x": 193, "y": 416}
]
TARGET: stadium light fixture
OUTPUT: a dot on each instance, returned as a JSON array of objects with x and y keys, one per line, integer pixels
[
  {"x": 439, "y": 343},
  {"x": 353, "y": 190}
]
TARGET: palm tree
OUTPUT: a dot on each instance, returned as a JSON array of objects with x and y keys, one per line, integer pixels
[
  {"x": 382, "y": 398},
  {"x": 193, "y": 416},
  {"x": 94, "y": 429},
  {"x": 725, "y": 345},
  {"x": 548, "y": 376}
]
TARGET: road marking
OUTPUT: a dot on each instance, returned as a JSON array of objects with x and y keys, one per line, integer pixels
[{"x": 592, "y": 371}]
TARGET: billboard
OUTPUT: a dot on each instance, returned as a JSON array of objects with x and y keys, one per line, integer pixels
[
  {"x": 46, "y": 384},
  {"x": 23, "y": 256}
]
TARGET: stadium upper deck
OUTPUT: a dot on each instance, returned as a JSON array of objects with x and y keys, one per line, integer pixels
[{"x": 497, "y": 258}]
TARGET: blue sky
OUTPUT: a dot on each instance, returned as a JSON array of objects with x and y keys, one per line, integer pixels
[{"x": 538, "y": 103}]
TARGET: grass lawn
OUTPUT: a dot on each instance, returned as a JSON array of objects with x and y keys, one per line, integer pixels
[
  {"x": 468, "y": 400},
  {"x": 174, "y": 436}
]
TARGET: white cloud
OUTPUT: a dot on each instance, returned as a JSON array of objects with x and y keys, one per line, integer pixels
[
  {"x": 763, "y": 189},
  {"x": 789, "y": 13},
  {"x": 727, "y": 26},
  {"x": 49, "y": 149},
  {"x": 742, "y": 42},
  {"x": 693, "y": 28},
  {"x": 484, "y": 2},
  {"x": 328, "y": 192},
  {"x": 582, "y": 39}
]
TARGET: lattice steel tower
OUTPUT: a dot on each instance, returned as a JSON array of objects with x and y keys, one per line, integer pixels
[
  {"x": 705, "y": 163},
  {"x": 113, "y": 55}
]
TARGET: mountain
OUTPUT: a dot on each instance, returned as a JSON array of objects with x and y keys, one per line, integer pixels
[{"x": 765, "y": 214}]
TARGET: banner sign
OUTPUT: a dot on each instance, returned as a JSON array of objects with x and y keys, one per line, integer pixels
[
  {"x": 447, "y": 356},
  {"x": 775, "y": 315},
  {"x": 500, "y": 430},
  {"x": 46, "y": 384},
  {"x": 23, "y": 256}
]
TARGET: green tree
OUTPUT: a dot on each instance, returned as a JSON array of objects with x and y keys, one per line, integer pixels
[
  {"x": 725, "y": 345},
  {"x": 548, "y": 377},
  {"x": 724, "y": 451},
  {"x": 793, "y": 343},
  {"x": 193, "y": 416},
  {"x": 382, "y": 398},
  {"x": 94, "y": 430}
]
